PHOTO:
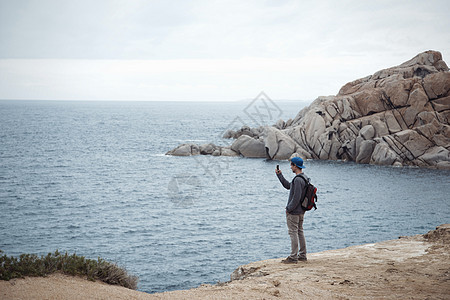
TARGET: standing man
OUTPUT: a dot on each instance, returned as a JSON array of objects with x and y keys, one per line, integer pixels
[{"x": 294, "y": 211}]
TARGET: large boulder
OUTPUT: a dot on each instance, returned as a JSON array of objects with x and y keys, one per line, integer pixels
[
  {"x": 278, "y": 144},
  {"x": 437, "y": 156},
  {"x": 383, "y": 155},
  {"x": 207, "y": 149},
  {"x": 249, "y": 147},
  {"x": 185, "y": 150},
  {"x": 227, "y": 151}
]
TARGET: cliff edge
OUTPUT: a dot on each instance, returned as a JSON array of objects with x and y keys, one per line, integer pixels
[{"x": 416, "y": 267}]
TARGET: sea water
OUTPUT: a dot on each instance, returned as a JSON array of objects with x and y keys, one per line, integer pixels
[{"x": 92, "y": 178}]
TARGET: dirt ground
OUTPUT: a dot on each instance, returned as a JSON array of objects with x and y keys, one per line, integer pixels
[{"x": 415, "y": 267}]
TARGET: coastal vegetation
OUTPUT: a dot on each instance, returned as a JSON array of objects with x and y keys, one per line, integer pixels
[{"x": 69, "y": 264}]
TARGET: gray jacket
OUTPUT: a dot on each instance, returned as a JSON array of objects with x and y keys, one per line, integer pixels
[{"x": 296, "y": 187}]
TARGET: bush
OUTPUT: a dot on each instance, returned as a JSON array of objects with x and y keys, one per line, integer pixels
[{"x": 33, "y": 265}]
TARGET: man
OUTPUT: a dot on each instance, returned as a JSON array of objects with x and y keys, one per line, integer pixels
[{"x": 294, "y": 211}]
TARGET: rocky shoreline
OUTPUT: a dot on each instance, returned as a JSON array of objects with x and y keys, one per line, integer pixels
[
  {"x": 398, "y": 116},
  {"x": 416, "y": 267}
]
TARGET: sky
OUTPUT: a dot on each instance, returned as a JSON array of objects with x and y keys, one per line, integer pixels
[{"x": 151, "y": 50}]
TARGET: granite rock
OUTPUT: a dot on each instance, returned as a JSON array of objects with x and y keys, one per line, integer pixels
[{"x": 398, "y": 116}]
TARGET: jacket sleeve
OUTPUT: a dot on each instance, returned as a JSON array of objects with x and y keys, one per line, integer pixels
[
  {"x": 298, "y": 185},
  {"x": 283, "y": 181}
]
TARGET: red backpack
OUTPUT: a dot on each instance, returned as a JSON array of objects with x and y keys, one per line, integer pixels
[{"x": 309, "y": 196}]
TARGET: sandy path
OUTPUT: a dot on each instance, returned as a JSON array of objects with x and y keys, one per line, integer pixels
[{"x": 415, "y": 267}]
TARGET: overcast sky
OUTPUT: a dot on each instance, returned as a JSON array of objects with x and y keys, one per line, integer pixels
[{"x": 207, "y": 50}]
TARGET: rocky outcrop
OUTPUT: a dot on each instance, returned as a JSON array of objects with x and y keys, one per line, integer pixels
[
  {"x": 269, "y": 143},
  {"x": 397, "y": 116},
  {"x": 206, "y": 149}
]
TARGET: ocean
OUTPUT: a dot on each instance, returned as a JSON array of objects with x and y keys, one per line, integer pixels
[{"x": 93, "y": 178}]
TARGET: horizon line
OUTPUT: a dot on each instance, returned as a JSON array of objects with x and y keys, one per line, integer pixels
[{"x": 148, "y": 100}]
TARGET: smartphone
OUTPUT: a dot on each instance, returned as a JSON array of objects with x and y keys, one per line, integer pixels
[{"x": 278, "y": 167}]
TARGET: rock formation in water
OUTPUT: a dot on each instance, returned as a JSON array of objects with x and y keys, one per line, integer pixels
[{"x": 397, "y": 116}]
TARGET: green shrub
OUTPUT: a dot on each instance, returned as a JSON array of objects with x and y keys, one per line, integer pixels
[{"x": 33, "y": 265}]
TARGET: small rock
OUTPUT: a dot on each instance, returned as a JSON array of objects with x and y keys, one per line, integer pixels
[{"x": 276, "y": 293}]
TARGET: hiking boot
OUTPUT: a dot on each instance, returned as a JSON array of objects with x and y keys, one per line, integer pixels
[
  {"x": 289, "y": 260},
  {"x": 302, "y": 259}
]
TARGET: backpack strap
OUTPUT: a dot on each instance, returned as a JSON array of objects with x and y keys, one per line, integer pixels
[
  {"x": 306, "y": 184},
  {"x": 303, "y": 177}
]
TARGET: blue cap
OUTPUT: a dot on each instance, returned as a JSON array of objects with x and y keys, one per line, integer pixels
[{"x": 298, "y": 162}]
